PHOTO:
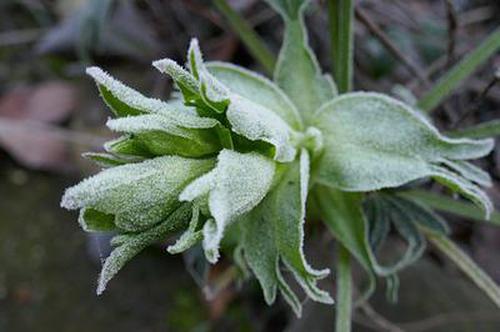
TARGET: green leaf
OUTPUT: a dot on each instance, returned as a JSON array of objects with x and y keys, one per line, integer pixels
[
  {"x": 125, "y": 101},
  {"x": 258, "y": 123},
  {"x": 403, "y": 146},
  {"x": 343, "y": 214},
  {"x": 191, "y": 236},
  {"x": 236, "y": 185},
  {"x": 157, "y": 135},
  {"x": 421, "y": 215},
  {"x": 446, "y": 204},
  {"x": 451, "y": 80},
  {"x": 297, "y": 70},
  {"x": 184, "y": 80},
  {"x": 391, "y": 210},
  {"x": 378, "y": 221},
  {"x": 260, "y": 250},
  {"x": 105, "y": 160},
  {"x": 465, "y": 188},
  {"x": 132, "y": 244},
  {"x": 273, "y": 232},
  {"x": 92, "y": 220},
  {"x": 140, "y": 195},
  {"x": 127, "y": 146},
  {"x": 468, "y": 266},
  {"x": 289, "y": 203},
  {"x": 344, "y": 291},
  {"x": 470, "y": 172},
  {"x": 213, "y": 93},
  {"x": 403, "y": 222},
  {"x": 258, "y": 89}
]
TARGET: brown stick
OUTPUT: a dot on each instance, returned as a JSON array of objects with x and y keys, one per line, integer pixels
[{"x": 412, "y": 67}]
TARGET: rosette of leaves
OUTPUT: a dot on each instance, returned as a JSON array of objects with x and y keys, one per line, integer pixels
[{"x": 235, "y": 150}]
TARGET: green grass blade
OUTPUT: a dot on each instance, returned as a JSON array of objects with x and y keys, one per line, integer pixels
[
  {"x": 344, "y": 290},
  {"x": 451, "y": 80},
  {"x": 248, "y": 36},
  {"x": 341, "y": 14},
  {"x": 468, "y": 266},
  {"x": 446, "y": 204},
  {"x": 483, "y": 130}
]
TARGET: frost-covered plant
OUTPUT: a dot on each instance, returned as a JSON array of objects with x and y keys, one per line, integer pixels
[{"x": 234, "y": 152}]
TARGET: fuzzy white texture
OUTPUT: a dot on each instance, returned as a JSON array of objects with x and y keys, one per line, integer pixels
[
  {"x": 149, "y": 122},
  {"x": 179, "y": 74},
  {"x": 237, "y": 184},
  {"x": 139, "y": 195},
  {"x": 138, "y": 101},
  {"x": 390, "y": 146},
  {"x": 258, "y": 89},
  {"x": 256, "y": 122},
  {"x": 190, "y": 237}
]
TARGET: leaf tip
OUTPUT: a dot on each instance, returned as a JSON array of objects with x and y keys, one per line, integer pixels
[
  {"x": 94, "y": 71},
  {"x": 68, "y": 201},
  {"x": 163, "y": 64}
]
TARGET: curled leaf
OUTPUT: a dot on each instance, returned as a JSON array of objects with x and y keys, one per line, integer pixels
[
  {"x": 392, "y": 146},
  {"x": 236, "y": 185},
  {"x": 131, "y": 244},
  {"x": 139, "y": 195},
  {"x": 256, "y": 122},
  {"x": 273, "y": 232}
]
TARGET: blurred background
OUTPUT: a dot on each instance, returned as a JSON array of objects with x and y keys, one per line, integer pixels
[{"x": 50, "y": 113}]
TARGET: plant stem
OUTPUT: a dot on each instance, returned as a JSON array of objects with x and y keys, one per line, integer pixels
[
  {"x": 344, "y": 290},
  {"x": 451, "y": 80},
  {"x": 412, "y": 67},
  {"x": 248, "y": 36},
  {"x": 467, "y": 265},
  {"x": 341, "y": 14}
]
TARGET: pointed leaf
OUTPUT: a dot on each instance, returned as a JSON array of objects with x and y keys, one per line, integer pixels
[
  {"x": 105, "y": 160},
  {"x": 402, "y": 147},
  {"x": 184, "y": 80},
  {"x": 139, "y": 195},
  {"x": 237, "y": 184},
  {"x": 256, "y": 122},
  {"x": 274, "y": 231},
  {"x": 157, "y": 135},
  {"x": 258, "y": 89},
  {"x": 297, "y": 70},
  {"x": 289, "y": 199},
  {"x": 261, "y": 253},
  {"x": 469, "y": 172},
  {"x": 127, "y": 146},
  {"x": 131, "y": 245},
  {"x": 125, "y": 101},
  {"x": 213, "y": 93},
  {"x": 191, "y": 236}
]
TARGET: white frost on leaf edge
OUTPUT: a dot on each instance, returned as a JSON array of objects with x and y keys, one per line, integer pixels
[
  {"x": 136, "y": 100},
  {"x": 236, "y": 185}
]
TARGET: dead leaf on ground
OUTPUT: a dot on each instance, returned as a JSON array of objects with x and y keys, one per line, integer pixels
[{"x": 27, "y": 124}]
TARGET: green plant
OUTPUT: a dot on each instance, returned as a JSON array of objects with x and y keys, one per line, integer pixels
[{"x": 235, "y": 155}]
